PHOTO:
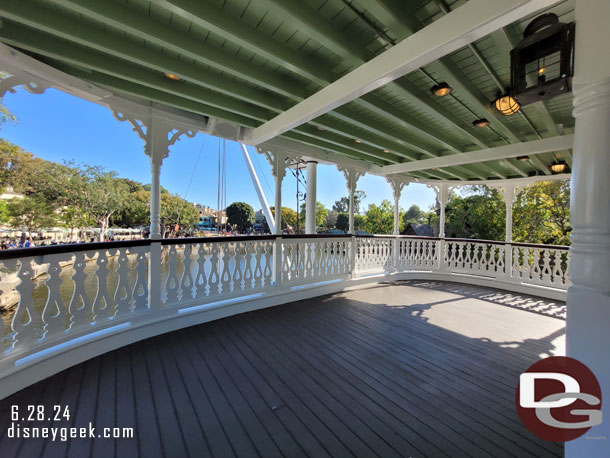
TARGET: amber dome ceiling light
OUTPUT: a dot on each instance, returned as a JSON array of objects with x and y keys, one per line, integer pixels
[
  {"x": 507, "y": 105},
  {"x": 441, "y": 89}
]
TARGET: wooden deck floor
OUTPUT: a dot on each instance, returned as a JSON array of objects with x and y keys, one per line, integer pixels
[{"x": 410, "y": 369}]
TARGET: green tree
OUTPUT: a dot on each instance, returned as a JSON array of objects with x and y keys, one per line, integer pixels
[
  {"x": 380, "y": 218},
  {"x": 70, "y": 219},
  {"x": 176, "y": 211},
  {"x": 480, "y": 215},
  {"x": 96, "y": 194},
  {"x": 342, "y": 205},
  {"x": 360, "y": 222},
  {"x": 414, "y": 215},
  {"x": 321, "y": 214},
  {"x": 241, "y": 215},
  {"x": 4, "y": 214},
  {"x": 136, "y": 212},
  {"x": 30, "y": 214},
  {"x": 289, "y": 218},
  {"x": 342, "y": 222},
  {"x": 541, "y": 213}
]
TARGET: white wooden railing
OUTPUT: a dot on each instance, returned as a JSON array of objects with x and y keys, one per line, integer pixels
[{"x": 63, "y": 297}]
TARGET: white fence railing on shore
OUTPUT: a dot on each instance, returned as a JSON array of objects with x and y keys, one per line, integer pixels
[{"x": 63, "y": 295}]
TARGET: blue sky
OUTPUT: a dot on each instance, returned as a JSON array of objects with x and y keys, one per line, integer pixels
[{"x": 60, "y": 127}]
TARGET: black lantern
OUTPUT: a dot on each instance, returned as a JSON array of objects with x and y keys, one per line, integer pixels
[{"x": 542, "y": 64}]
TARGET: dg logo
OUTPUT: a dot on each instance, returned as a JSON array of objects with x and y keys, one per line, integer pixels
[{"x": 559, "y": 399}]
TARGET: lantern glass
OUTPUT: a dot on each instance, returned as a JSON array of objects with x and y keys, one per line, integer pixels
[
  {"x": 559, "y": 167},
  {"x": 507, "y": 105}
]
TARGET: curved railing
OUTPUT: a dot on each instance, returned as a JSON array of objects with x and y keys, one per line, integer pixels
[{"x": 68, "y": 303}]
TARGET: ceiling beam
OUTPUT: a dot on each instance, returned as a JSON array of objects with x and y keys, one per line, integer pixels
[
  {"x": 114, "y": 47},
  {"x": 473, "y": 20},
  {"x": 501, "y": 152},
  {"x": 146, "y": 28},
  {"x": 215, "y": 19},
  {"x": 356, "y": 54}
]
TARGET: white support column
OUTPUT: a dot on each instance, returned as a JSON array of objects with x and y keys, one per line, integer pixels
[
  {"x": 351, "y": 177},
  {"x": 442, "y": 201},
  {"x": 397, "y": 186},
  {"x": 442, "y": 193},
  {"x": 588, "y": 315},
  {"x": 310, "y": 202},
  {"x": 155, "y": 197},
  {"x": 278, "y": 169},
  {"x": 158, "y": 136},
  {"x": 510, "y": 191}
]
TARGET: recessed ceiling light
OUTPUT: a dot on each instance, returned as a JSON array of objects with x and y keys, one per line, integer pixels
[
  {"x": 171, "y": 76},
  {"x": 483, "y": 122},
  {"x": 441, "y": 89}
]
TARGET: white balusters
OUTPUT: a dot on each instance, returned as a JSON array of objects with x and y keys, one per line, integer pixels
[
  {"x": 55, "y": 310},
  {"x": 27, "y": 322},
  {"x": 139, "y": 295},
  {"x": 103, "y": 305},
  {"x": 540, "y": 265},
  {"x": 307, "y": 261},
  {"x": 80, "y": 304},
  {"x": 61, "y": 296}
]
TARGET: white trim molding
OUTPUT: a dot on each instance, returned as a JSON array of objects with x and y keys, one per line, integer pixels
[{"x": 557, "y": 143}]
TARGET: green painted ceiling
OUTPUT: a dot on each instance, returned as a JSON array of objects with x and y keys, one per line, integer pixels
[{"x": 245, "y": 61}]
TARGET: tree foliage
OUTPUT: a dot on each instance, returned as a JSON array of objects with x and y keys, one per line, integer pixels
[
  {"x": 84, "y": 195},
  {"x": 175, "y": 211},
  {"x": 541, "y": 213},
  {"x": 30, "y": 214},
  {"x": 342, "y": 205},
  {"x": 414, "y": 215},
  {"x": 241, "y": 215},
  {"x": 480, "y": 214},
  {"x": 289, "y": 218},
  {"x": 380, "y": 218},
  {"x": 321, "y": 214}
]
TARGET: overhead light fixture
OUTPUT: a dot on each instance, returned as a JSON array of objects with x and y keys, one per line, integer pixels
[
  {"x": 542, "y": 64},
  {"x": 480, "y": 122},
  {"x": 523, "y": 158},
  {"x": 559, "y": 166},
  {"x": 171, "y": 76},
  {"x": 357, "y": 140},
  {"x": 386, "y": 150},
  {"x": 507, "y": 105},
  {"x": 441, "y": 89}
]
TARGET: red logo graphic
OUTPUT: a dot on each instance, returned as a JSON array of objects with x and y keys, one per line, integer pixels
[{"x": 559, "y": 399}]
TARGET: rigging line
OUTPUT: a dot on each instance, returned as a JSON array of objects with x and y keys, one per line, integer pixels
[
  {"x": 218, "y": 195},
  {"x": 191, "y": 180},
  {"x": 224, "y": 177},
  {"x": 264, "y": 177}
]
